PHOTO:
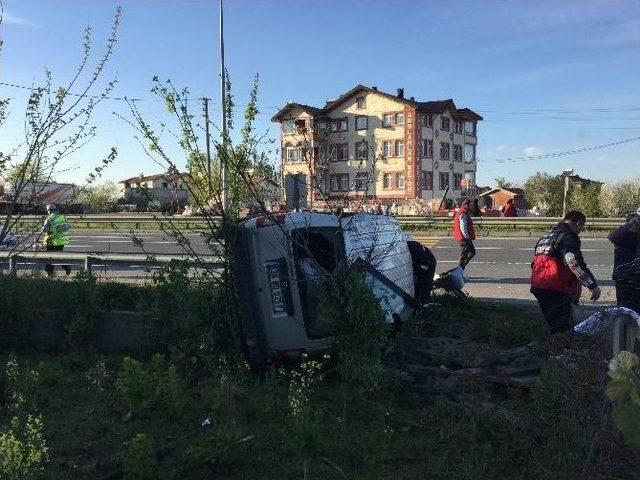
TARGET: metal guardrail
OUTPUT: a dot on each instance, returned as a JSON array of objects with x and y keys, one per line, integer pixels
[
  {"x": 137, "y": 221},
  {"x": 89, "y": 260}
]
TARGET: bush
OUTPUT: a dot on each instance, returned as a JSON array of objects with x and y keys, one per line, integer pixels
[
  {"x": 624, "y": 391},
  {"x": 155, "y": 383},
  {"x": 140, "y": 462}
]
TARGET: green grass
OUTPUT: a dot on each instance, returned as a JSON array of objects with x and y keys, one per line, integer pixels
[{"x": 558, "y": 431}]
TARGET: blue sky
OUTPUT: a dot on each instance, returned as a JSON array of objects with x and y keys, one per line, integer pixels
[{"x": 547, "y": 76}]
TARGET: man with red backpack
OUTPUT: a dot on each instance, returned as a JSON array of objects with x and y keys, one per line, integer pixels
[
  {"x": 558, "y": 272},
  {"x": 463, "y": 233}
]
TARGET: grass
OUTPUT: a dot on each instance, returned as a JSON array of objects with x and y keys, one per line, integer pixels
[{"x": 560, "y": 430}]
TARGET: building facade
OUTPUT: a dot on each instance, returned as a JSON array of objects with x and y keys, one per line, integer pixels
[
  {"x": 168, "y": 189},
  {"x": 372, "y": 145}
]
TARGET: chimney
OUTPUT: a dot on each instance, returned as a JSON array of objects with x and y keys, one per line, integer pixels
[
  {"x": 375, "y": 89},
  {"x": 413, "y": 99},
  {"x": 401, "y": 93}
]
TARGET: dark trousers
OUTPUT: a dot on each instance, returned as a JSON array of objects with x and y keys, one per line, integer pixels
[
  {"x": 556, "y": 308},
  {"x": 627, "y": 295},
  {"x": 467, "y": 252},
  {"x": 49, "y": 268}
]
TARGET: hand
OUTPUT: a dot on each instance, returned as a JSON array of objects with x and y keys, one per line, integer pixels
[{"x": 595, "y": 293}]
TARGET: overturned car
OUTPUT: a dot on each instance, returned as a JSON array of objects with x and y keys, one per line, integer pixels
[{"x": 279, "y": 261}]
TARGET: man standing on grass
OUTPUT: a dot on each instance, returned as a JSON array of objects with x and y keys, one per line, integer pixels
[
  {"x": 626, "y": 263},
  {"x": 558, "y": 272},
  {"x": 463, "y": 233}
]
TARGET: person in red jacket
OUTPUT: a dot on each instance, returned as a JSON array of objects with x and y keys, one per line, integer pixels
[
  {"x": 558, "y": 272},
  {"x": 463, "y": 233},
  {"x": 509, "y": 210}
]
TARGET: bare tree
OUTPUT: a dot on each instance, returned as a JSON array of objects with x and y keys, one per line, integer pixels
[{"x": 57, "y": 123}]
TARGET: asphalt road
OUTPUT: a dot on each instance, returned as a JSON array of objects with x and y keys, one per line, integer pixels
[{"x": 500, "y": 269}]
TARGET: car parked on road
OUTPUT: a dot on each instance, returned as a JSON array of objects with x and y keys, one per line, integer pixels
[{"x": 280, "y": 259}]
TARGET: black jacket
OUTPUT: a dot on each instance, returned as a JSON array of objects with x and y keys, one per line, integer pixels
[{"x": 627, "y": 245}]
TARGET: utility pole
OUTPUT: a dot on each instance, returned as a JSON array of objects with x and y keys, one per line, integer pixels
[
  {"x": 567, "y": 173},
  {"x": 205, "y": 106},
  {"x": 223, "y": 95}
]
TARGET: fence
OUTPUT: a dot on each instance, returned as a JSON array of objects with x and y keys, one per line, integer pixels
[
  {"x": 188, "y": 223},
  {"x": 89, "y": 260}
]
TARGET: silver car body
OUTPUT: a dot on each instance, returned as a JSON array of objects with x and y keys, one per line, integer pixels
[{"x": 278, "y": 260}]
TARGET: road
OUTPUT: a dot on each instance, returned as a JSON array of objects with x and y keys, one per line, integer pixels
[{"x": 500, "y": 269}]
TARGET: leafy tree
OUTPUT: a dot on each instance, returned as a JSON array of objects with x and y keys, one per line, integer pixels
[
  {"x": 99, "y": 198},
  {"x": 620, "y": 198},
  {"x": 586, "y": 199},
  {"x": 546, "y": 191},
  {"x": 502, "y": 182}
]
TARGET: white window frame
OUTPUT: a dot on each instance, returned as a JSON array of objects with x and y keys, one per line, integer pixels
[
  {"x": 400, "y": 180},
  {"x": 386, "y": 181},
  {"x": 398, "y": 148},
  {"x": 446, "y": 120},
  {"x": 366, "y": 122},
  {"x": 399, "y": 118},
  {"x": 361, "y": 182},
  {"x": 389, "y": 117}
]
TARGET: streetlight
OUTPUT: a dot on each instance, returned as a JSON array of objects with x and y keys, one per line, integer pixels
[{"x": 567, "y": 173}]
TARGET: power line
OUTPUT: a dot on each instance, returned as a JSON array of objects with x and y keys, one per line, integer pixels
[{"x": 562, "y": 154}]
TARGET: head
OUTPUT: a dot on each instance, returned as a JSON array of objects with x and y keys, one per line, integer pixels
[
  {"x": 575, "y": 220},
  {"x": 510, "y": 201},
  {"x": 466, "y": 203},
  {"x": 52, "y": 208},
  {"x": 634, "y": 224}
]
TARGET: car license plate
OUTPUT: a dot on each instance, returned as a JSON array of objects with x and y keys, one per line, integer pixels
[{"x": 275, "y": 285}]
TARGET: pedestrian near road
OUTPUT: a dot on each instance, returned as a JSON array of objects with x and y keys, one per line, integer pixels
[
  {"x": 463, "y": 233},
  {"x": 626, "y": 241},
  {"x": 558, "y": 272},
  {"x": 509, "y": 210},
  {"x": 424, "y": 268},
  {"x": 475, "y": 209},
  {"x": 56, "y": 236}
]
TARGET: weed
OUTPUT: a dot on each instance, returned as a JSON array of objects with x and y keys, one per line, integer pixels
[
  {"x": 140, "y": 462},
  {"x": 624, "y": 391}
]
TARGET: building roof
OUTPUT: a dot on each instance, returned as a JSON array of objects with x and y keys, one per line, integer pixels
[
  {"x": 158, "y": 176},
  {"x": 514, "y": 191},
  {"x": 433, "y": 106}
]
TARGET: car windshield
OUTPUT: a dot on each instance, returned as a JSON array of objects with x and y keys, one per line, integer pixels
[{"x": 316, "y": 252}]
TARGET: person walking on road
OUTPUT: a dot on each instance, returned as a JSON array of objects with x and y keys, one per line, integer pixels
[
  {"x": 558, "y": 272},
  {"x": 626, "y": 263},
  {"x": 464, "y": 234},
  {"x": 56, "y": 236},
  {"x": 509, "y": 210}
]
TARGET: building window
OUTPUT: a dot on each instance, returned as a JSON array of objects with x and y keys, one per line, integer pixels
[
  {"x": 429, "y": 120},
  {"x": 361, "y": 150},
  {"x": 342, "y": 151},
  {"x": 387, "y": 148},
  {"x": 293, "y": 154},
  {"x": 399, "y": 118},
  {"x": 470, "y": 128},
  {"x": 446, "y": 124},
  {"x": 361, "y": 182},
  {"x": 386, "y": 181},
  {"x": 387, "y": 120},
  {"x": 165, "y": 185},
  {"x": 469, "y": 152},
  {"x": 429, "y": 148},
  {"x": 288, "y": 126},
  {"x": 301, "y": 125},
  {"x": 457, "y": 181},
  {"x": 339, "y": 182},
  {"x": 444, "y": 150},
  {"x": 457, "y": 153},
  {"x": 421, "y": 149},
  {"x": 340, "y": 124},
  {"x": 361, "y": 122},
  {"x": 444, "y": 180},
  {"x": 360, "y": 102},
  {"x": 457, "y": 127},
  {"x": 399, "y": 148},
  {"x": 400, "y": 180},
  {"x": 427, "y": 180}
]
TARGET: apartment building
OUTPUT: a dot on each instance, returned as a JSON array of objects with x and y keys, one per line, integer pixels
[{"x": 375, "y": 145}]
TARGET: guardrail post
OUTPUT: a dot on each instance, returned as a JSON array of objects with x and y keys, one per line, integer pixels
[
  {"x": 13, "y": 264},
  {"x": 87, "y": 263}
]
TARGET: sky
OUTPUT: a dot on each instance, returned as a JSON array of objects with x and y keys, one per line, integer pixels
[{"x": 547, "y": 76}]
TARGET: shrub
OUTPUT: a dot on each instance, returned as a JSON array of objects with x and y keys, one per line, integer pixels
[
  {"x": 140, "y": 462},
  {"x": 624, "y": 391}
]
